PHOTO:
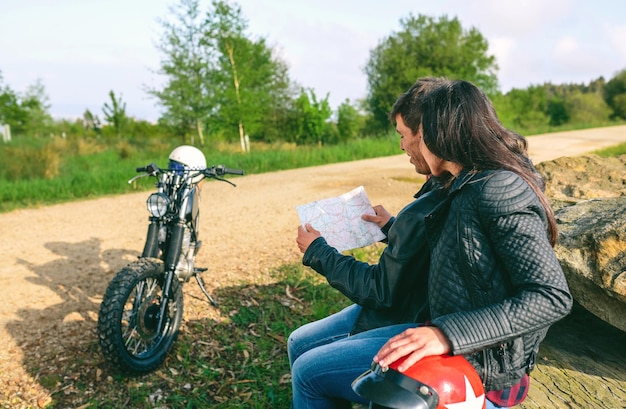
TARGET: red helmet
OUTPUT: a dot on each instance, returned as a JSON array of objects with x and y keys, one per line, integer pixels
[{"x": 435, "y": 382}]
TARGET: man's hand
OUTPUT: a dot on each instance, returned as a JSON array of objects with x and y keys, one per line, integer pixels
[
  {"x": 414, "y": 342},
  {"x": 380, "y": 219},
  {"x": 306, "y": 235}
]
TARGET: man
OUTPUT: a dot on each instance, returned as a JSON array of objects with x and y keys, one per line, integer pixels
[{"x": 391, "y": 296}]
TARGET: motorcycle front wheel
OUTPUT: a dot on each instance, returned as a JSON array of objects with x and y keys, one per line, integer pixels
[{"x": 128, "y": 321}]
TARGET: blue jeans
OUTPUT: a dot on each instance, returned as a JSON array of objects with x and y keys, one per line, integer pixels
[{"x": 325, "y": 359}]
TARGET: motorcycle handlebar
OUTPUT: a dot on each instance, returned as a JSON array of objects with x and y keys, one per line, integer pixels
[
  {"x": 223, "y": 170},
  {"x": 151, "y": 168},
  {"x": 213, "y": 171}
]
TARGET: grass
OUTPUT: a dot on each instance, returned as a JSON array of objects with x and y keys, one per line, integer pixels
[
  {"x": 613, "y": 151},
  {"x": 237, "y": 362},
  {"x": 38, "y": 172},
  {"x": 538, "y": 130},
  {"x": 44, "y": 171}
]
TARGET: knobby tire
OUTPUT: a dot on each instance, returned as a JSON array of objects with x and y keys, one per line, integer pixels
[{"x": 127, "y": 329}]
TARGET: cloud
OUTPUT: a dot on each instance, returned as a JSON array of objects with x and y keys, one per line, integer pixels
[
  {"x": 566, "y": 46},
  {"x": 572, "y": 59},
  {"x": 518, "y": 66},
  {"x": 616, "y": 35},
  {"x": 503, "y": 48},
  {"x": 575, "y": 57},
  {"x": 520, "y": 18},
  {"x": 324, "y": 47}
]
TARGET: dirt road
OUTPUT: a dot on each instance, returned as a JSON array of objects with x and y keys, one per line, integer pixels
[{"x": 58, "y": 260}]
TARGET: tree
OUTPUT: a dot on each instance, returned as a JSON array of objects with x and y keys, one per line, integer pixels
[
  {"x": 577, "y": 103},
  {"x": 35, "y": 103},
  {"x": 310, "y": 120},
  {"x": 348, "y": 121},
  {"x": 615, "y": 94},
  {"x": 115, "y": 113},
  {"x": 557, "y": 111},
  {"x": 587, "y": 108},
  {"x": 425, "y": 47},
  {"x": 253, "y": 79},
  {"x": 27, "y": 113},
  {"x": 218, "y": 76},
  {"x": 11, "y": 112},
  {"x": 271, "y": 127},
  {"x": 237, "y": 57},
  {"x": 91, "y": 122},
  {"x": 527, "y": 108},
  {"x": 187, "y": 64}
]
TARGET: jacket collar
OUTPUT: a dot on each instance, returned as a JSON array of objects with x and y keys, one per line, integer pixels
[{"x": 464, "y": 178}]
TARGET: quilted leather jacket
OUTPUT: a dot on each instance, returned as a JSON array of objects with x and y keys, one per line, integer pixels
[
  {"x": 394, "y": 291},
  {"x": 495, "y": 284}
]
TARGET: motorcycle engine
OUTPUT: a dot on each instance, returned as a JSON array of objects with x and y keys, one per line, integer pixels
[{"x": 184, "y": 268}]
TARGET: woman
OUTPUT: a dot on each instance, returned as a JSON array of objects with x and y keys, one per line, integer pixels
[{"x": 495, "y": 285}]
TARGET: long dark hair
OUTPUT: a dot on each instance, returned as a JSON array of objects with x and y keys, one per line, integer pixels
[{"x": 461, "y": 126}]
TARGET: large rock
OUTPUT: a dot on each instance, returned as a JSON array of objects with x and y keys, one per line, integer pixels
[
  {"x": 572, "y": 179},
  {"x": 592, "y": 252},
  {"x": 589, "y": 197}
]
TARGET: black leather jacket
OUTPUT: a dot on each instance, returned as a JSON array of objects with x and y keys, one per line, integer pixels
[
  {"x": 394, "y": 291},
  {"x": 495, "y": 284}
]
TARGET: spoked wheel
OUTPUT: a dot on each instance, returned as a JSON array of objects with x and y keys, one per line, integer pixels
[{"x": 128, "y": 322}]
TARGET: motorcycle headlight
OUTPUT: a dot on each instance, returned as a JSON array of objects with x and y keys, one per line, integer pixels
[{"x": 158, "y": 203}]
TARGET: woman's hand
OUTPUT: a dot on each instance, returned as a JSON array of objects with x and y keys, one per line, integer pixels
[
  {"x": 381, "y": 217},
  {"x": 306, "y": 235},
  {"x": 414, "y": 342}
]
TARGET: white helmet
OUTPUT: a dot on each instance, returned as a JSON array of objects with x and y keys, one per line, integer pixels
[{"x": 188, "y": 157}]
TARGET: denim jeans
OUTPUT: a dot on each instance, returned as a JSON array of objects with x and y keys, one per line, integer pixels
[{"x": 325, "y": 359}]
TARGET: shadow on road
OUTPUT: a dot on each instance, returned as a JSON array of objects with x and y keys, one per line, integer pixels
[{"x": 58, "y": 339}]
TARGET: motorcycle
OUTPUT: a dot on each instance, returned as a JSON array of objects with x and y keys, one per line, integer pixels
[{"x": 142, "y": 308}]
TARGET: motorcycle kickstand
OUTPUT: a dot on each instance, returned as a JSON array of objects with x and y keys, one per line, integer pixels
[{"x": 203, "y": 288}]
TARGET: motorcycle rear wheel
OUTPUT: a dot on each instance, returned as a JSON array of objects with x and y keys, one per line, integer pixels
[{"x": 128, "y": 318}]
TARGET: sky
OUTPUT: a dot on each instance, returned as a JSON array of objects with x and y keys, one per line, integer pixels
[{"x": 80, "y": 50}]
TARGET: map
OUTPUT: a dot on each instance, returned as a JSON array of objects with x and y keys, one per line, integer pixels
[{"x": 339, "y": 220}]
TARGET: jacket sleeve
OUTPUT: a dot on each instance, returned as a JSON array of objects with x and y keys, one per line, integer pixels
[
  {"x": 509, "y": 236},
  {"x": 375, "y": 286}
]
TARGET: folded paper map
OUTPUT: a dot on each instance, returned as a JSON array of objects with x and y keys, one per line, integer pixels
[{"x": 339, "y": 220}]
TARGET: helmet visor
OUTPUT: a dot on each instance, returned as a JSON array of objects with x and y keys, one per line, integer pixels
[
  {"x": 175, "y": 166},
  {"x": 392, "y": 389}
]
